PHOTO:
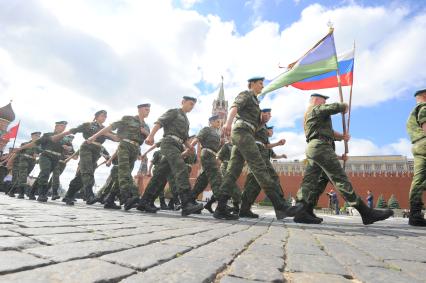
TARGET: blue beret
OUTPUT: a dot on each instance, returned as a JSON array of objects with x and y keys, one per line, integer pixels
[
  {"x": 270, "y": 127},
  {"x": 100, "y": 112},
  {"x": 320, "y": 95},
  {"x": 264, "y": 110},
  {"x": 144, "y": 105},
  {"x": 190, "y": 98},
  {"x": 213, "y": 118},
  {"x": 254, "y": 79},
  {"x": 61, "y": 123},
  {"x": 419, "y": 92}
]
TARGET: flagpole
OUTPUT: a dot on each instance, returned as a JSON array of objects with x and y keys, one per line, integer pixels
[
  {"x": 350, "y": 93},
  {"x": 339, "y": 83}
]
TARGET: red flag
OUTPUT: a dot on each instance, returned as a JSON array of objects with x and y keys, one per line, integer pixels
[{"x": 12, "y": 133}]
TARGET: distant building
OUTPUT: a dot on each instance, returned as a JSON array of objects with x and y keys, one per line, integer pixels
[{"x": 6, "y": 117}]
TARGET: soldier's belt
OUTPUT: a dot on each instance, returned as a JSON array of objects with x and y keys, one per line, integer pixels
[
  {"x": 209, "y": 150},
  {"x": 132, "y": 142},
  {"x": 176, "y": 138},
  {"x": 29, "y": 156},
  {"x": 243, "y": 122},
  {"x": 52, "y": 152}
]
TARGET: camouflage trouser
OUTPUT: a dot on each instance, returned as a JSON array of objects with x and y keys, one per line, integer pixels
[
  {"x": 322, "y": 159},
  {"x": 235, "y": 190},
  {"x": 47, "y": 164},
  {"x": 75, "y": 185},
  {"x": 15, "y": 173},
  {"x": 418, "y": 185},
  {"x": 252, "y": 187},
  {"x": 245, "y": 149},
  {"x": 211, "y": 174},
  {"x": 127, "y": 155},
  {"x": 3, "y": 174},
  {"x": 110, "y": 184},
  {"x": 89, "y": 155},
  {"x": 172, "y": 164},
  {"x": 54, "y": 181},
  {"x": 26, "y": 165}
]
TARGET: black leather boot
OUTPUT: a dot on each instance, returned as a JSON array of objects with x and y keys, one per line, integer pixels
[
  {"x": 246, "y": 211},
  {"x": 282, "y": 208},
  {"x": 21, "y": 192},
  {"x": 222, "y": 212},
  {"x": 110, "y": 201},
  {"x": 145, "y": 204},
  {"x": 306, "y": 215},
  {"x": 163, "y": 205},
  {"x": 189, "y": 205},
  {"x": 370, "y": 215},
  {"x": 42, "y": 195},
  {"x": 209, "y": 204},
  {"x": 171, "y": 205},
  {"x": 416, "y": 217}
]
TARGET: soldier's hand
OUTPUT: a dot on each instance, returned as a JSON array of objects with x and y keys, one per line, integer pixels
[
  {"x": 346, "y": 137},
  {"x": 281, "y": 142},
  {"x": 346, "y": 108},
  {"x": 149, "y": 140},
  {"x": 227, "y": 130},
  {"x": 108, "y": 163},
  {"x": 345, "y": 157},
  {"x": 90, "y": 140}
]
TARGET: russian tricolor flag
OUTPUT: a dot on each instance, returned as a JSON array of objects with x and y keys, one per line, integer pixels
[{"x": 329, "y": 80}]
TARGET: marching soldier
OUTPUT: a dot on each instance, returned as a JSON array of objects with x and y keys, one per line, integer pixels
[
  {"x": 416, "y": 128},
  {"x": 176, "y": 127},
  {"x": 132, "y": 131},
  {"x": 322, "y": 158},
  {"x": 53, "y": 147},
  {"x": 25, "y": 162},
  {"x": 247, "y": 113}
]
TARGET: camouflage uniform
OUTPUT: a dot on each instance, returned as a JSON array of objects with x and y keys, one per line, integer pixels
[
  {"x": 3, "y": 170},
  {"x": 321, "y": 156},
  {"x": 111, "y": 184},
  {"x": 89, "y": 156},
  {"x": 27, "y": 161},
  {"x": 209, "y": 139},
  {"x": 224, "y": 155},
  {"x": 251, "y": 186},
  {"x": 49, "y": 158},
  {"x": 418, "y": 139},
  {"x": 176, "y": 127},
  {"x": 245, "y": 149},
  {"x": 129, "y": 130},
  {"x": 54, "y": 181}
]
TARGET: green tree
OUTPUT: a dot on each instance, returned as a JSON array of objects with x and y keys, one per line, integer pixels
[
  {"x": 393, "y": 203},
  {"x": 381, "y": 203}
]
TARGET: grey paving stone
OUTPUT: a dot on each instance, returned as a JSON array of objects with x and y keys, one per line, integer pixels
[
  {"x": 48, "y": 230},
  {"x": 54, "y": 239},
  {"x": 412, "y": 268},
  {"x": 143, "y": 257},
  {"x": 381, "y": 275},
  {"x": 68, "y": 251},
  {"x": 14, "y": 261},
  {"x": 231, "y": 279},
  {"x": 13, "y": 243},
  {"x": 7, "y": 233},
  {"x": 314, "y": 263},
  {"x": 81, "y": 271},
  {"x": 304, "y": 277}
]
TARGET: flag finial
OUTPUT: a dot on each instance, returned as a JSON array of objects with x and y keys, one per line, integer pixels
[{"x": 330, "y": 26}]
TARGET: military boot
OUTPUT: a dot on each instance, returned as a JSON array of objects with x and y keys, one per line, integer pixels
[
  {"x": 110, "y": 201},
  {"x": 31, "y": 193},
  {"x": 21, "y": 192},
  {"x": 11, "y": 192},
  {"x": 189, "y": 205},
  {"x": 370, "y": 215},
  {"x": 222, "y": 212},
  {"x": 163, "y": 205},
  {"x": 236, "y": 207},
  {"x": 42, "y": 195},
  {"x": 246, "y": 211},
  {"x": 306, "y": 215},
  {"x": 282, "y": 208},
  {"x": 171, "y": 204},
  {"x": 145, "y": 204},
  {"x": 209, "y": 204},
  {"x": 416, "y": 217}
]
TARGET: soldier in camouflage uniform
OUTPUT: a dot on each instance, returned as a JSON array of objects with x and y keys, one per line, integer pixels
[
  {"x": 251, "y": 186},
  {"x": 132, "y": 131},
  {"x": 209, "y": 139},
  {"x": 25, "y": 162},
  {"x": 247, "y": 113},
  {"x": 3, "y": 169},
  {"x": 322, "y": 158},
  {"x": 416, "y": 128},
  {"x": 53, "y": 147},
  {"x": 54, "y": 181},
  {"x": 89, "y": 152},
  {"x": 176, "y": 127},
  {"x": 111, "y": 189}
]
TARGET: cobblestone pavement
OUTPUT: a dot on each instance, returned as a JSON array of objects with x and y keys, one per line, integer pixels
[{"x": 55, "y": 243}]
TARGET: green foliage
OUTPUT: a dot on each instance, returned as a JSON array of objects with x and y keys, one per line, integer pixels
[
  {"x": 393, "y": 203},
  {"x": 381, "y": 203}
]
